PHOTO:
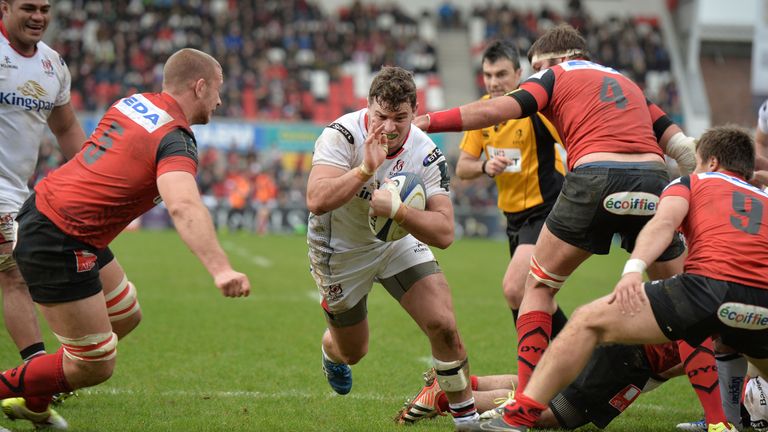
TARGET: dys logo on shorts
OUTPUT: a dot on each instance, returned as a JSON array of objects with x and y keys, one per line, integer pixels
[
  {"x": 84, "y": 260},
  {"x": 631, "y": 203}
]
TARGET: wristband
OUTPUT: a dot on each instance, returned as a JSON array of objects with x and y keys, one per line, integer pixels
[
  {"x": 366, "y": 174},
  {"x": 445, "y": 121},
  {"x": 405, "y": 212},
  {"x": 634, "y": 265},
  {"x": 482, "y": 167}
]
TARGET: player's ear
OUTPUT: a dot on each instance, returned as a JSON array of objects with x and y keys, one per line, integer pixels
[
  {"x": 713, "y": 164},
  {"x": 200, "y": 87}
]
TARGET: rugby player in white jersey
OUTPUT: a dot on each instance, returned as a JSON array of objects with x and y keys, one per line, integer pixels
[
  {"x": 34, "y": 91},
  {"x": 352, "y": 157}
]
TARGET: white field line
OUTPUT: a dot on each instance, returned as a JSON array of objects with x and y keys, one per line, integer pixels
[
  {"x": 289, "y": 394},
  {"x": 259, "y": 260}
]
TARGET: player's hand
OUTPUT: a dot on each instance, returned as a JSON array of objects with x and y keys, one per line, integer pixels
[
  {"x": 376, "y": 147},
  {"x": 232, "y": 283},
  {"x": 629, "y": 293},
  {"x": 385, "y": 201},
  {"x": 422, "y": 122},
  {"x": 496, "y": 165}
]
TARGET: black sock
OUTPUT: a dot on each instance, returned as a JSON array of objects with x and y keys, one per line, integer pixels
[
  {"x": 558, "y": 321},
  {"x": 32, "y": 351},
  {"x": 515, "y": 313}
]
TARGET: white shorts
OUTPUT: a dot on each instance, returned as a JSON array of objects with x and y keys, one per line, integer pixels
[
  {"x": 344, "y": 278},
  {"x": 8, "y": 228}
]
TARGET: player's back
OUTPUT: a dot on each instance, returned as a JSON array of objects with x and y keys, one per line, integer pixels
[
  {"x": 596, "y": 109},
  {"x": 727, "y": 229},
  {"x": 112, "y": 180}
]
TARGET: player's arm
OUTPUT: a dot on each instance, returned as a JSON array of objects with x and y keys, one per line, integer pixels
[
  {"x": 476, "y": 115},
  {"x": 195, "y": 227},
  {"x": 672, "y": 140},
  {"x": 469, "y": 166},
  {"x": 329, "y": 187},
  {"x": 653, "y": 239},
  {"x": 434, "y": 226},
  {"x": 67, "y": 130}
]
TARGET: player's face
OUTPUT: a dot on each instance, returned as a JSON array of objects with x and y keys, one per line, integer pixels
[
  {"x": 397, "y": 123},
  {"x": 211, "y": 98},
  {"x": 500, "y": 77},
  {"x": 26, "y": 21}
]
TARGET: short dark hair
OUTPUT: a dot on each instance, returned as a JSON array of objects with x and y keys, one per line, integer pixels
[
  {"x": 501, "y": 49},
  {"x": 392, "y": 87},
  {"x": 732, "y": 146},
  {"x": 560, "y": 39}
]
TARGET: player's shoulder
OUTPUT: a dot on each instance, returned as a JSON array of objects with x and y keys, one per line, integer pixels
[
  {"x": 49, "y": 54},
  {"x": 349, "y": 126}
]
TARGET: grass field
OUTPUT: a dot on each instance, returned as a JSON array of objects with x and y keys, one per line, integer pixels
[{"x": 201, "y": 362}]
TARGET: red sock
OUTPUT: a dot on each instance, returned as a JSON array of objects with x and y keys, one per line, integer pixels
[
  {"x": 41, "y": 376},
  {"x": 442, "y": 403},
  {"x": 38, "y": 404},
  {"x": 524, "y": 412},
  {"x": 473, "y": 382},
  {"x": 699, "y": 364},
  {"x": 533, "y": 331}
]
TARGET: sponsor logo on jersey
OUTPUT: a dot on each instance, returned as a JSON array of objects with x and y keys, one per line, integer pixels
[
  {"x": 631, "y": 203},
  {"x": 583, "y": 64},
  {"x": 84, "y": 260},
  {"x": 47, "y": 66},
  {"x": 143, "y": 112},
  {"x": 744, "y": 316},
  {"x": 7, "y": 64},
  {"x": 344, "y": 131},
  {"x": 432, "y": 157},
  {"x": 29, "y": 99}
]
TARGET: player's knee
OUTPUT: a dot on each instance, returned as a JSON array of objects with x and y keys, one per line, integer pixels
[
  {"x": 442, "y": 331},
  {"x": 123, "y": 307},
  {"x": 544, "y": 277},
  {"x": 453, "y": 376},
  {"x": 589, "y": 318},
  {"x": 91, "y": 357},
  {"x": 513, "y": 293}
]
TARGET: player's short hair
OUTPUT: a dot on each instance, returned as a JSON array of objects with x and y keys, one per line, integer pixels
[
  {"x": 392, "y": 87},
  {"x": 501, "y": 49},
  {"x": 561, "y": 39},
  {"x": 732, "y": 146},
  {"x": 187, "y": 66}
]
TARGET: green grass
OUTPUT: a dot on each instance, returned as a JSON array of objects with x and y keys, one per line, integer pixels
[{"x": 202, "y": 362}]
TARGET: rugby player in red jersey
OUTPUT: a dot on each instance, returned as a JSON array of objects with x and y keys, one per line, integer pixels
[
  {"x": 722, "y": 291},
  {"x": 143, "y": 151}
]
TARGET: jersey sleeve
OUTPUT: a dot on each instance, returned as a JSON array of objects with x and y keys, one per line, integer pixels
[
  {"x": 762, "y": 118},
  {"x": 177, "y": 152},
  {"x": 680, "y": 187},
  {"x": 334, "y": 147},
  {"x": 659, "y": 119},
  {"x": 534, "y": 93},
  {"x": 472, "y": 143},
  {"x": 435, "y": 175},
  {"x": 66, "y": 82}
]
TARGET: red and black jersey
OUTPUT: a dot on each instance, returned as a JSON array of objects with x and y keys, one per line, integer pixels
[
  {"x": 594, "y": 108},
  {"x": 725, "y": 227},
  {"x": 112, "y": 180},
  {"x": 662, "y": 357}
]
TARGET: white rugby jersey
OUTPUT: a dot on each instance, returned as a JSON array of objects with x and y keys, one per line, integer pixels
[
  {"x": 341, "y": 144},
  {"x": 762, "y": 118},
  {"x": 30, "y": 87}
]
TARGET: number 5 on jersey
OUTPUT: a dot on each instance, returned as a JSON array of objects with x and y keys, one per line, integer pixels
[{"x": 95, "y": 149}]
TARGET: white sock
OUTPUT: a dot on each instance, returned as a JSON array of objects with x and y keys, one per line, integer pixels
[
  {"x": 464, "y": 412},
  {"x": 731, "y": 368}
]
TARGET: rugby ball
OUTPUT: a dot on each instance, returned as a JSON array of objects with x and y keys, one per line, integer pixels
[{"x": 412, "y": 193}]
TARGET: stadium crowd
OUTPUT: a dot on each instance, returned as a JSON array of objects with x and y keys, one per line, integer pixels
[{"x": 292, "y": 62}]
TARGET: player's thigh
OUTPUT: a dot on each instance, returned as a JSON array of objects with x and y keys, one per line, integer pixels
[
  {"x": 557, "y": 256},
  {"x": 429, "y": 303},
  {"x": 611, "y": 325},
  {"x": 78, "y": 318},
  {"x": 111, "y": 273},
  {"x": 343, "y": 279}
]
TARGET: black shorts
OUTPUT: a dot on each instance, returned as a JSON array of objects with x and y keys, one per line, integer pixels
[
  {"x": 56, "y": 267},
  {"x": 611, "y": 381},
  {"x": 524, "y": 227},
  {"x": 693, "y": 307},
  {"x": 601, "y": 199}
]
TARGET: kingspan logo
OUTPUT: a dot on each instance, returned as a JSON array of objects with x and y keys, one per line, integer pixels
[
  {"x": 631, "y": 203},
  {"x": 29, "y": 99}
]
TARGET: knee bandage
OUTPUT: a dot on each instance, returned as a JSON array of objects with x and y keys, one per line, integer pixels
[
  {"x": 93, "y": 347},
  {"x": 547, "y": 278},
  {"x": 123, "y": 301},
  {"x": 452, "y": 376}
]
